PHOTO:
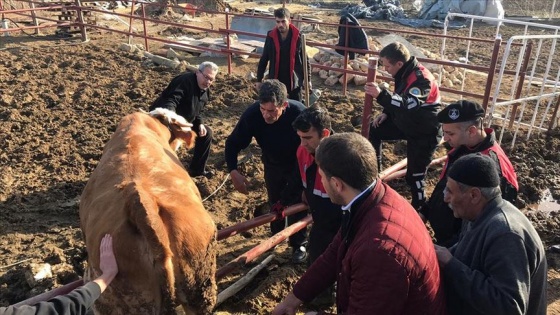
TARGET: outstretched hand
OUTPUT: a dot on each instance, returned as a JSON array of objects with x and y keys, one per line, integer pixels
[
  {"x": 107, "y": 263},
  {"x": 239, "y": 182}
]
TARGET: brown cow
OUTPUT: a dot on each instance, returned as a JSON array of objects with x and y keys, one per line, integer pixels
[{"x": 164, "y": 239}]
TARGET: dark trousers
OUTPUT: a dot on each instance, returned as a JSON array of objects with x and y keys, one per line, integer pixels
[
  {"x": 295, "y": 94},
  {"x": 276, "y": 179},
  {"x": 201, "y": 152},
  {"x": 419, "y": 152}
]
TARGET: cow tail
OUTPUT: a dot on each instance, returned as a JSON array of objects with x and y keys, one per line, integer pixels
[{"x": 143, "y": 213}]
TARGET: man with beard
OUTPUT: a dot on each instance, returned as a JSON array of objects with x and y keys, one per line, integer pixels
[
  {"x": 408, "y": 114},
  {"x": 382, "y": 258},
  {"x": 269, "y": 121},
  {"x": 187, "y": 94},
  {"x": 498, "y": 266},
  {"x": 462, "y": 130},
  {"x": 283, "y": 55}
]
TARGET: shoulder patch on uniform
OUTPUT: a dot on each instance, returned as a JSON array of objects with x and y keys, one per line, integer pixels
[
  {"x": 419, "y": 73},
  {"x": 415, "y": 91}
]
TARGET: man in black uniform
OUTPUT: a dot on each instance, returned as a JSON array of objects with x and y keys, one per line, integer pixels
[
  {"x": 283, "y": 54},
  {"x": 80, "y": 300},
  {"x": 269, "y": 121},
  {"x": 409, "y": 113},
  {"x": 186, "y": 95}
]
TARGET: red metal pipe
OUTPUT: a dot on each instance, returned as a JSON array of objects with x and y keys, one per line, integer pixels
[
  {"x": 368, "y": 100},
  {"x": 395, "y": 167},
  {"x": 345, "y": 61},
  {"x": 258, "y": 221},
  {"x": 253, "y": 253},
  {"x": 65, "y": 289},
  {"x": 144, "y": 27},
  {"x": 228, "y": 44},
  {"x": 522, "y": 74},
  {"x": 493, "y": 64},
  {"x": 401, "y": 173}
]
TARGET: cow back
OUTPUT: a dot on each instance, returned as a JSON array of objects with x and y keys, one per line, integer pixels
[{"x": 164, "y": 239}]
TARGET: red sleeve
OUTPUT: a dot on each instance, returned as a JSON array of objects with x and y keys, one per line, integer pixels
[{"x": 320, "y": 275}]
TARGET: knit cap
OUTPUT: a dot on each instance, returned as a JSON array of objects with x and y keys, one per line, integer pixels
[
  {"x": 460, "y": 111},
  {"x": 475, "y": 170}
]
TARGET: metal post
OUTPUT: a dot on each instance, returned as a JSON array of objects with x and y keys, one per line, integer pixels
[
  {"x": 33, "y": 17},
  {"x": 228, "y": 43},
  {"x": 80, "y": 15},
  {"x": 253, "y": 253},
  {"x": 522, "y": 74},
  {"x": 145, "y": 30},
  {"x": 368, "y": 100},
  {"x": 345, "y": 61},
  {"x": 491, "y": 72},
  {"x": 305, "y": 70},
  {"x": 258, "y": 221},
  {"x": 130, "y": 22}
]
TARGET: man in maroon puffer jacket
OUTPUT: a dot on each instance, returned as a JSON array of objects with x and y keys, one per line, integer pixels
[{"x": 382, "y": 258}]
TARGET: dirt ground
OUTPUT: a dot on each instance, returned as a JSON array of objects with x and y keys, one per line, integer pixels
[{"x": 60, "y": 101}]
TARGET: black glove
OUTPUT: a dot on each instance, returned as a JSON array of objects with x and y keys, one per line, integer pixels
[{"x": 278, "y": 208}]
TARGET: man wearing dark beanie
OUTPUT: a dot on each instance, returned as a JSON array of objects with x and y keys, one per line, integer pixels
[
  {"x": 498, "y": 266},
  {"x": 462, "y": 130}
]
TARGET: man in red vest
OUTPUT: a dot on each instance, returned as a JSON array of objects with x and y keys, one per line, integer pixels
[
  {"x": 283, "y": 55},
  {"x": 408, "y": 114}
]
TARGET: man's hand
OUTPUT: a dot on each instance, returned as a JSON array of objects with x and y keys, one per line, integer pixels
[
  {"x": 258, "y": 86},
  {"x": 278, "y": 208},
  {"x": 202, "y": 130},
  {"x": 239, "y": 182},
  {"x": 443, "y": 254},
  {"x": 371, "y": 88},
  {"x": 107, "y": 263},
  {"x": 288, "y": 306},
  {"x": 379, "y": 120}
]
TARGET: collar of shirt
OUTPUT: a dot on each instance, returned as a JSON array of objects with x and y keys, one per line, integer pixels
[{"x": 349, "y": 205}]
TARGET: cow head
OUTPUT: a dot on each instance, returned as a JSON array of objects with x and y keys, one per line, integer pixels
[{"x": 181, "y": 130}]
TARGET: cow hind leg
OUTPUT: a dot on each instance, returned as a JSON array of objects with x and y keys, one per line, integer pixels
[{"x": 144, "y": 214}]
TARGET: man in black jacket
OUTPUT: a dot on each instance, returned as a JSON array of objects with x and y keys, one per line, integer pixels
[
  {"x": 409, "y": 113},
  {"x": 283, "y": 55},
  {"x": 269, "y": 121},
  {"x": 187, "y": 94},
  {"x": 80, "y": 300}
]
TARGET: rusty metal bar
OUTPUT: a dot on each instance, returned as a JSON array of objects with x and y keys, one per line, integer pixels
[
  {"x": 522, "y": 74},
  {"x": 395, "y": 167},
  {"x": 345, "y": 60},
  {"x": 368, "y": 100},
  {"x": 401, "y": 173},
  {"x": 80, "y": 15},
  {"x": 228, "y": 43},
  {"x": 258, "y": 221},
  {"x": 253, "y": 253},
  {"x": 145, "y": 30},
  {"x": 554, "y": 115},
  {"x": 130, "y": 20},
  {"x": 490, "y": 80}
]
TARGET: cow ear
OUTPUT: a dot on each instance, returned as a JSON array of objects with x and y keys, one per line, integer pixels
[{"x": 189, "y": 138}]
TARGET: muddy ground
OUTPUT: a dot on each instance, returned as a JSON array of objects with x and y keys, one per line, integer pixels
[{"x": 60, "y": 101}]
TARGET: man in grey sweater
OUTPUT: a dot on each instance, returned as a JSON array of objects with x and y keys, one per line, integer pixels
[{"x": 498, "y": 265}]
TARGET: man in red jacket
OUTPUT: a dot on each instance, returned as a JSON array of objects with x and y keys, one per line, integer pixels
[
  {"x": 283, "y": 55},
  {"x": 382, "y": 258}
]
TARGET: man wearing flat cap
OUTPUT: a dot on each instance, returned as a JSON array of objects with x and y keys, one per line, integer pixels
[
  {"x": 462, "y": 130},
  {"x": 498, "y": 266}
]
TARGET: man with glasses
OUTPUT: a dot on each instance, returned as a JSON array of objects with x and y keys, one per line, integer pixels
[
  {"x": 186, "y": 95},
  {"x": 269, "y": 121},
  {"x": 283, "y": 55},
  {"x": 462, "y": 130},
  {"x": 408, "y": 114}
]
